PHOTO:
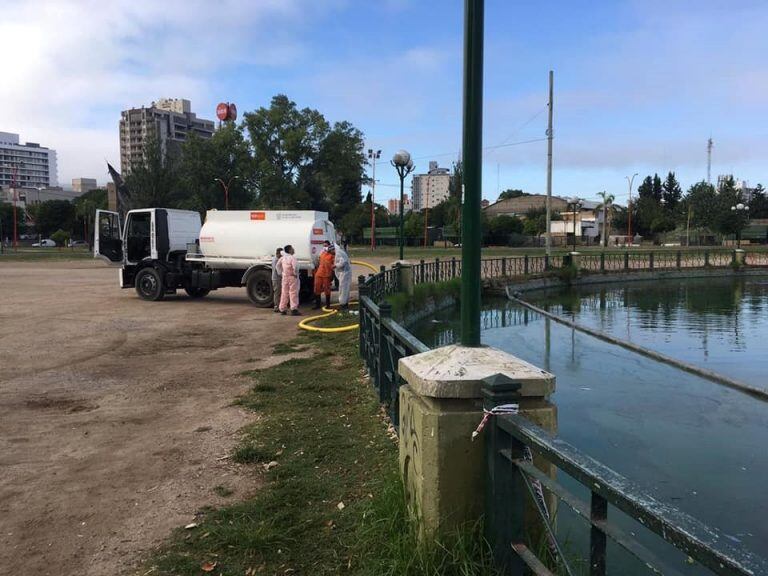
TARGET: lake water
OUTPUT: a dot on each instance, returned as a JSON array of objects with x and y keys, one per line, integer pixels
[{"x": 694, "y": 444}]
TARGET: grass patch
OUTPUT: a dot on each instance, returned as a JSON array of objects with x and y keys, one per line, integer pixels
[
  {"x": 424, "y": 294},
  {"x": 288, "y": 348},
  {"x": 333, "y": 502},
  {"x": 35, "y": 254},
  {"x": 223, "y": 491}
]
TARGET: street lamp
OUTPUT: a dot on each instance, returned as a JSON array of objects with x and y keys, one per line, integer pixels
[
  {"x": 225, "y": 186},
  {"x": 739, "y": 210},
  {"x": 373, "y": 156},
  {"x": 575, "y": 203},
  {"x": 404, "y": 165},
  {"x": 629, "y": 207}
]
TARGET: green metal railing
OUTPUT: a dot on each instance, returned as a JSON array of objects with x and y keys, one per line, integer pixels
[
  {"x": 383, "y": 341},
  {"x": 511, "y": 480}
]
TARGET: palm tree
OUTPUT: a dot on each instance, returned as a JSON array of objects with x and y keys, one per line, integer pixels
[{"x": 606, "y": 206}]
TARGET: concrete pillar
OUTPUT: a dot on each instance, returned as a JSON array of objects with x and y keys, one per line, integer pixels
[
  {"x": 738, "y": 257},
  {"x": 575, "y": 259},
  {"x": 440, "y": 406},
  {"x": 406, "y": 277}
]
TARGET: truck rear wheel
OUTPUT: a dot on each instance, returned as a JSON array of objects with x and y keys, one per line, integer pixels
[
  {"x": 259, "y": 288},
  {"x": 196, "y": 292},
  {"x": 149, "y": 284}
]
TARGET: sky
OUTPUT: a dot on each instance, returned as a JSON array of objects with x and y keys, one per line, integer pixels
[{"x": 640, "y": 85}]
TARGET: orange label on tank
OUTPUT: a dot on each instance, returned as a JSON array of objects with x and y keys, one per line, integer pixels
[
  {"x": 258, "y": 215},
  {"x": 317, "y": 230},
  {"x": 206, "y": 239}
]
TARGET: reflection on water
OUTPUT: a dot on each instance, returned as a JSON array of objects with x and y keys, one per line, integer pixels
[
  {"x": 691, "y": 443},
  {"x": 719, "y": 323}
]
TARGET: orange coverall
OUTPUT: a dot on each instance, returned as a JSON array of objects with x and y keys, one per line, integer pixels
[{"x": 324, "y": 274}]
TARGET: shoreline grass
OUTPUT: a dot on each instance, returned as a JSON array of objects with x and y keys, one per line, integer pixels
[{"x": 332, "y": 500}]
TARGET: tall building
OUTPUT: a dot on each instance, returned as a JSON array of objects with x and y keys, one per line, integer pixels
[
  {"x": 26, "y": 165},
  {"x": 393, "y": 205},
  {"x": 432, "y": 188},
  {"x": 168, "y": 120},
  {"x": 83, "y": 185}
]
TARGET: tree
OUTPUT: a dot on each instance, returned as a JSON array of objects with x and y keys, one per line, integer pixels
[
  {"x": 204, "y": 161},
  {"x": 511, "y": 193},
  {"x": 758, "y": 205},
  {"x": 339, "y": 171},
  {"x": 6, "y": 221},
  {"x": 155, "y": 182},
  {"x": 657, "y": 189},
  {"x": 671, "y": 192},
  {"x": 701, "y": 202},
  {"x": 53, "y": 215},
  {"x": 502, "y": 227},
  {"x": 729, "y": 221},
  {"x": 285, "y": 142},
  {"x": 61, "y": 237},
  {"x": 606, "y": 207},
  {"x": 85, "y": 211},
  {"x": 645, "y": 190}
]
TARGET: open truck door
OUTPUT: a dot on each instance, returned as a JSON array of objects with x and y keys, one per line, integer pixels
[{"x": 108, "y": 237}]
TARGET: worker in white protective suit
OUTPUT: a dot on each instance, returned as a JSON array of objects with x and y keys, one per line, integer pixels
[{"x": 344, "y": 273}]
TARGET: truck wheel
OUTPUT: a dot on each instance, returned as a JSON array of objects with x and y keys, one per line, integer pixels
[
  {"x": 259, "y": 288},
  {"x": 149, "y": 284},
  {"x": 196, "y": 292}
]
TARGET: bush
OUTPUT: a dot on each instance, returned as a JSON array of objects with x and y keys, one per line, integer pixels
[{"x": 60, "y": 237}]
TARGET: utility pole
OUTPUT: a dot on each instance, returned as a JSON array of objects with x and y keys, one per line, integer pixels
[
  {"x": 709, "y": 161},
  {"x": 549, "y": 161},
  {"x": 373, "y": 156},
  {"x": 472, "y": 151},
  {"x": 629, "y": 207}
]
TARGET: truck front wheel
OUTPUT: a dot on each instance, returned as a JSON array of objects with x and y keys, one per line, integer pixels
[
  {"x": 149, "y": 284},
  {"x": 259, "y": 288}
]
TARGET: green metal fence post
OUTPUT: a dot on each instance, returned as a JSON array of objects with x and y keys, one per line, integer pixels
[
  {"x": 602, "y": 261},
  {"x": 453, "y": 267},
  {"x": 650, "y": 260},
  {"x": 706, "y": 258},
  {"x": 472, "y": 151},
  {"x": 546, "y": 262},
  {"x": 362, "y": 290},
  {"x": 679, "y": 259},
  {"x": 437, "y": 270},
  {"x": 505, "y": 489},
  {"x": 385, "y": 385},
  {"x": 626, "y": 260},
  {"x": 525, "y": 265},
  {"x": 503, "y": 267},
  {"x": 422, "y": 272}
]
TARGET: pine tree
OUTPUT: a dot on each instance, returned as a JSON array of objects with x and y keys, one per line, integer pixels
[
  {"x": 658, "y": 190},
  {"x": 645, "y": 190},
  {"x": 672, "y": 193}
]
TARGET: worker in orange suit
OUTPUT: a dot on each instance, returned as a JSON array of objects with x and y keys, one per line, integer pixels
[{"x": 324, "y": 276}]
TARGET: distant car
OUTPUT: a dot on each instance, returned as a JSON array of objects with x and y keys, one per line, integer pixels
[
  {"x": 44, "y": 243},
  {"x": 77, "y": 244}
]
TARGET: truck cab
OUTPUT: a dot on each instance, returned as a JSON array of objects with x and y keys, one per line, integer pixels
[{"x": 151, "y": 239}]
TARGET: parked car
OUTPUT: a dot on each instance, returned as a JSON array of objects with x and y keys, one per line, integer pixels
[
  {"x": 77, "y": 244},
  {"x": 44, "y": 243}
]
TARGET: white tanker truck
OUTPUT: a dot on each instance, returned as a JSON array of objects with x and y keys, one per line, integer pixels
[{"x": 160, "y": 250}]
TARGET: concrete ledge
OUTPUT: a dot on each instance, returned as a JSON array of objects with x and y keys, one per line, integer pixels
[{"x": 457, "y": 372}]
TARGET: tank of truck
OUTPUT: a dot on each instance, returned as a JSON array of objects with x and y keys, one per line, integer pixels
[{"x": 255, "y": 234}]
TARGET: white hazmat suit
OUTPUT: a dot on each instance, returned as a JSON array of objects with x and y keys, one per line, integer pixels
[{"x": 344, "y": 274}]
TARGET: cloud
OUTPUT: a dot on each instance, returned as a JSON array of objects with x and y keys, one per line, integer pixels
[{"x": 70, "y": 66}]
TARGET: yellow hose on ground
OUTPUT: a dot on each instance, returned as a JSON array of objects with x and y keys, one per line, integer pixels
[{"x": 328, "y": 312}]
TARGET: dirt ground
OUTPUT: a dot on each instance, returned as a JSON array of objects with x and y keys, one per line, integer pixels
[{"x": 115, "y": 413}]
